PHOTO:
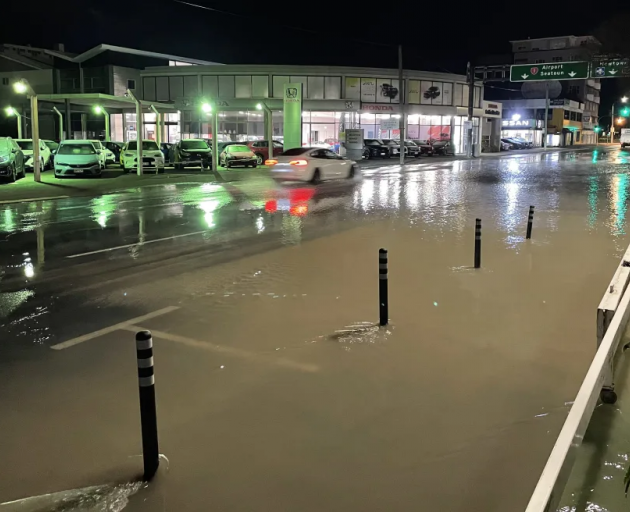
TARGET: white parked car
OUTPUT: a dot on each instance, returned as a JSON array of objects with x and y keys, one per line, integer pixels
[
  {"x": 77, "y": 158},
  {"x": 45, "y": 161},
  {"x": 152, "y": 156},
  {"x": 100, "y": 149},
  {"x": 311, "y": 164}
]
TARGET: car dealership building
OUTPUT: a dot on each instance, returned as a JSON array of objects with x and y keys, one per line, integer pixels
[{"x": 334, "y": 99}]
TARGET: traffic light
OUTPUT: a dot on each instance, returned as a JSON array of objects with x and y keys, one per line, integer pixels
[
  {"x": 625, "y": 111},
  {"x": 597, "y": 129}
]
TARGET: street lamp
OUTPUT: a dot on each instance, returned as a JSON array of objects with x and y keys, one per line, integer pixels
[
  {"x": 10, "y": 111},
  {"x": 624, "y": 99},
  {"x": 23, "y": 87},
  {"x": 100, "y": 110},
  {"x": 207, "y": 108}
]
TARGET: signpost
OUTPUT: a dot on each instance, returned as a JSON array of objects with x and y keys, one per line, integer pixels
[
  {"x": 610, "y": 68},
  {"x": 549, "y": 71}
]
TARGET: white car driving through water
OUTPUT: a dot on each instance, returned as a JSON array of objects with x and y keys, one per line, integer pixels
[{"x": 311, "y": 164}]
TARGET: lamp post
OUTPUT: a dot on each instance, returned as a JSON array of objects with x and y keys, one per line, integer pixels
[
  {"x": 269, "y": 126},
  {"x": 23, "y": 87},
  {"x": 206, "y": 108},
  {"x": 139, "y": 131},
  {"x": 100, "y": 110},
  {"x": 13, "y": 112},
  {"x": 624, "y": 99}
]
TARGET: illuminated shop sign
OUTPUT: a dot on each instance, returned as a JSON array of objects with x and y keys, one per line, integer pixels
[{"x": 521, "y": 123}]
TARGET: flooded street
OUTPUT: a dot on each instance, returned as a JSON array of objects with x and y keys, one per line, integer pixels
[{"x": 276, "y": 389}]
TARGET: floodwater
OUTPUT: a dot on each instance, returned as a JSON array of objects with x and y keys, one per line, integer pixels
[{"x": 275, "y": 388}]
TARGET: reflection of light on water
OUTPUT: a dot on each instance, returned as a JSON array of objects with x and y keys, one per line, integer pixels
[
  {"x": 291, "y": 229},
  {"x": 512, "y": 197},
  {"x": 618, "y": 203},
  {"x": 429, "y": 188},
  {"x": 411, "y": 195},
  {"x": 29, "y": 271},
  {"x": 211, "y": 187},
  {"x": 102, "y": 208},
  {"x": 7, "y": 223},
  {"x": 513, "y": 166},
  {"x": 593, "y": 188},
  {"x": 102, "y": 219},
  {"x": 208, "y": 206},
  {"x": 260, "y": 224},
  {"x": 367, "y": 192},
  {"x": 383, "y": 189}
]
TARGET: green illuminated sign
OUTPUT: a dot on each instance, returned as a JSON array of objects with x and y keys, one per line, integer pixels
[
  {"x": 292, "y": 116},
  {"x": 548, "y": 71},
  {"x": 610, "y": 68}
]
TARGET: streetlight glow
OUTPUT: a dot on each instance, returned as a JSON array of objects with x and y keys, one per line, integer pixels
[
  {"x": 624, "y": 99},
  {"x": 11, "y": 111},
  {"x": 516, "y": 117},
  {"x": 258, "y": 106},
  {"x": 20, "y": 87},
  {"x": 98, "y": 109},
  {"x": 206, "y": 107}
]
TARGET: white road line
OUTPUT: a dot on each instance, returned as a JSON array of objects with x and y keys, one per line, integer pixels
[
  {"x": 231, "y": 351},
  {"x": 32, "y": 199},
  {"x": 109, "y": 249},
  {"x": 112, "y": 328}
]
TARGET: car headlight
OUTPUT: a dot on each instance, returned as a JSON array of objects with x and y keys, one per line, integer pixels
[{"x": 4, "y": 159}]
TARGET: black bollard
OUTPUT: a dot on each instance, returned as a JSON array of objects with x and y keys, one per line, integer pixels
[
  {"x": 148, "y": 414},
  {"x": 530, "y": 222},
  {"x": 383, "y": 298},
  {"x": 478, "y": 243}
]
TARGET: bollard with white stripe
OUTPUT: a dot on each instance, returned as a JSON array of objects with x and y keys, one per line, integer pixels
[
  {"x": 148, "y": 414},
  {"x": 530, "y": 222},
  {"x": 383, "y": 298},
  {"x": 478, "y": 243}
]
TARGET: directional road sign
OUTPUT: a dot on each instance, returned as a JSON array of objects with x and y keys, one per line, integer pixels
[
  {"x": 549, "y": 71},
  {"x": 611, "y": 68}
]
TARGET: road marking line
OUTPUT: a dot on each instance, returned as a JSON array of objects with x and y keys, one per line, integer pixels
[
  {"x": 136, "y": 244},
  {"x": 237, "y": 352},
  {"x": 112, "y": 328},
  {"x": 32, "y": 199}
]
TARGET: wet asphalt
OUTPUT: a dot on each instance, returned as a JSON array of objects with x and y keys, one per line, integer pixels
[{"x": 72, "y": 267}]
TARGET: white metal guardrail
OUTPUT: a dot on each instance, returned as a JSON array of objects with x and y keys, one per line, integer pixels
[{"x": 612, "y": 318}]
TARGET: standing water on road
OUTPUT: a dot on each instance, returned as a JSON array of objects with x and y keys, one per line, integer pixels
[{"x": 275, "y": 389}]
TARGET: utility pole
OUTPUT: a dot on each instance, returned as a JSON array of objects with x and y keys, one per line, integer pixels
[
  {"x": 546, "y": 114},
  {"x": 401, "y": 96},
  {"x": 612, "y": 123},
  {"x": 471, "y": 99}
]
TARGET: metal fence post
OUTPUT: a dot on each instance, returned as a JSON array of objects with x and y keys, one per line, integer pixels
[
  {"x": 383, "y": 298},
  {"x": 530, "y": 222},
  {"x": 478, "y": 243},
  {"x": 148, "y": 414}
]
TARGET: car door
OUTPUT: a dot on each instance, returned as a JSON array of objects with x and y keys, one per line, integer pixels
[
  {"x": 321, "y": 162},
  {"x": 19, "y": 158},
  {"x": 337, "y": 166}
]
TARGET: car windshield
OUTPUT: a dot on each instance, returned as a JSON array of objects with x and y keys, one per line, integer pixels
[
  {"x": 97, "y": 144},
  {"x": 5, "y": 145},
  {"x": 373, "y": 142},
  {"x": 295, "y": 151},
  {"x": 52, "y": 145},
  {"x": 76, "y": 149},
  {"x": 25, "y": 144},
  {"x": 277, "y": 144},
  {"x": 194, "y": 144},
  {"x": 410, "y": 143},
  {"x": 237, "y": 149},
  {"x": 147, "y": 145}
]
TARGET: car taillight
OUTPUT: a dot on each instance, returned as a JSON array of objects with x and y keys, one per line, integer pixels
[
  {"x": 299, "y": 163},
  {"x": 271, "y": 162}
]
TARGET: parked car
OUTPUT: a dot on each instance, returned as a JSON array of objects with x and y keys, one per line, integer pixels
[
  {"x": 166, "y": 147},
  {"x": 234, "y": 155},
  {"x": 505, "y": 146},
  {"x": 311, "y": 164},
  {"x": 222, "y": 145},
  {"x": 152, "y": 157},
  {"x": 514, "y": 144},
  {"x": 11, "y": 160},
  {"x": 77, "y": 158},
  {"x": 425, "y": 146},
  {"x": 412, "y": 148},
  {"x": 394, "y": 146},
  {"x": 442, "y": 147},
  {"x": 374, "y": 148},
  {"x": 52, "y": 145},
  {"x": 26, "y": 145},
  {"x": 261, "y": 149},
  {"x": 528, "y": 144},
  {"x": 624, "y": 139},
  {"x": 115, "y": 148},
  {"x": 100, "y": 150},
  {"x": 191, "y": 153}
]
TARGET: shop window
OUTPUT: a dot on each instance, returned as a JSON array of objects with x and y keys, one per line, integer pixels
[
  {"x": 301, "y": 80},
  {"x": 573, "y": 116},
  {"x": 315, "y": 87},
  {"x": 149, "y": 88},
  {"x": 457, "y": 95},
  {"x": 161, "y": 88},
  {"x": 567, "y": 115},
  {"x": 278, "y": 85},
  {"x": 243, "y": 86},
  {"x": 176, "y": 87},
  {"x": 226, "y": 86},
  {"x": 131, "y": 84},
  {"x": 209, "y": 86},
  {"x": 578, "y": 117}
]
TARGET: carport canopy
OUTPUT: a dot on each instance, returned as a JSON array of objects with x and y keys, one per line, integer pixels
[{"x": 113, "y": 104}]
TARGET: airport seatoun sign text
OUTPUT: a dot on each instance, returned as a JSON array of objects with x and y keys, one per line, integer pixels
[{"x": 548, "y": 71}]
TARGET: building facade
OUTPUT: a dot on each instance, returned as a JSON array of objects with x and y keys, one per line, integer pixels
[{"x": 584, "y": 93}]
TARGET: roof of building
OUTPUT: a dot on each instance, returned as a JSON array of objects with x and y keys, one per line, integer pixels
[
  {"x": 553, "y": 37},
  {"x": 101, "y": 48}
]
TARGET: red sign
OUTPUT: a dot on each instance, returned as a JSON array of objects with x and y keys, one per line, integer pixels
[
  {"x": 534, "y": 70},
  {"x": 375, "y": 107}
]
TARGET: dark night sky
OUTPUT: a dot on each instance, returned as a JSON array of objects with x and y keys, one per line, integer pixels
[{"x": 436, "y": 35}]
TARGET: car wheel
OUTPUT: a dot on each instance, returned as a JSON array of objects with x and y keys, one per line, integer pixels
[
  {"x": 352, "y": 172},
  {"x": 260, "y": 159},
  {"x": 316, "y": 177}
]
